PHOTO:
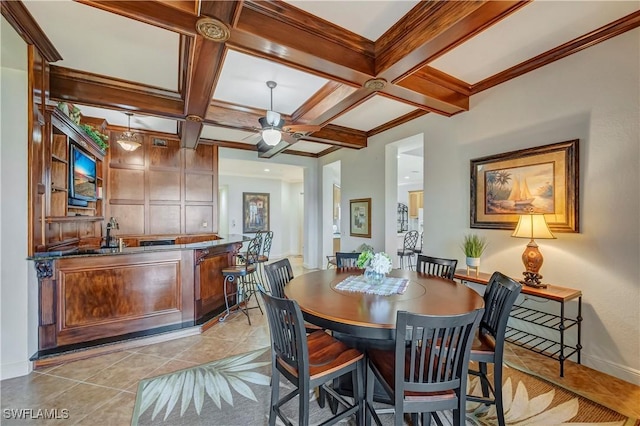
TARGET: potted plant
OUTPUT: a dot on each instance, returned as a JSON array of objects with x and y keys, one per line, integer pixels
[{"x": 473, "y": 246}]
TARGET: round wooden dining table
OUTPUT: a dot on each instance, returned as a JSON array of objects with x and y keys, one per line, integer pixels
[{"x": 371, "y": 316}]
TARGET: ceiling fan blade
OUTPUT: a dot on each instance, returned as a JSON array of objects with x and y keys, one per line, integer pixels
[
  {"x": 301, "y": 128},
  {"x": 267, "y": 151},
  {"x": 254, "y": 138}
]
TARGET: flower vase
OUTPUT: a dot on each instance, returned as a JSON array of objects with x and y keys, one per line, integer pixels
[{"x": 372, "y": 276}]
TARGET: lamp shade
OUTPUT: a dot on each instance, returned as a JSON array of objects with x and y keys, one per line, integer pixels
[
  {"x": 532, "y": 226},
  {"x": 271, "y": 136},
  {"x": 128, "y": 141}
]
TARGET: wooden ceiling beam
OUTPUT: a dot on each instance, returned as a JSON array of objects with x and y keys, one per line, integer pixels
[
  {"x": 206, "y": 57},
  {"x": 339, "y": 136},
  {"x": 112, "y": 93},
  {"x": 285, "y": 34},
  {"x": 432, "y": 29},
  {"x": 229, "y": 115},
  {"x": 396, "y": 122},
  {"x": 328, "y": 95},
  {"x": 23, "y": 23}
]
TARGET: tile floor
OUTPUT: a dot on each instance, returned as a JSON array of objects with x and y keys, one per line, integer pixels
[{"x": 102, "y": 390}]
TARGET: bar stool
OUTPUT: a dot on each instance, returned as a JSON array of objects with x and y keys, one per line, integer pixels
[
  {"x": 408, "y": 247},
  {"x": 244, "y": 274},
  {"x": 263, "y": 258}
]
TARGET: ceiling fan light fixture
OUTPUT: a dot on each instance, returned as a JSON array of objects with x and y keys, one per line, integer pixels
[
  {"x": 128, "y": 140},
  {"x": 273, "y": 118},
  {"x": 271, "y": 136}
]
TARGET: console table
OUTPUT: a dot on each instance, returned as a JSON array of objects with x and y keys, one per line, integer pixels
[{"x": 557, "y": 322}]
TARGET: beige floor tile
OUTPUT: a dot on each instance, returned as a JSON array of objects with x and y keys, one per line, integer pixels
[
  {"x": 80, "y": 401},
  {"x": 168, "y": 367},
  {"x": 208, "y": 350},
  {"x": 33, "y": 390},
  {"x": 127, "y": 371},
  {"x": 85, "y": 368},
  {"x": 115, "y": 412}
]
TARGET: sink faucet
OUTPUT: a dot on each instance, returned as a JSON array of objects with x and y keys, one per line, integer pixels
[{"x": 113, "y": 224}]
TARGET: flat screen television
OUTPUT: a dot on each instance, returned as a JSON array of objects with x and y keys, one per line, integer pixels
[{"x": 82, "y": 179}]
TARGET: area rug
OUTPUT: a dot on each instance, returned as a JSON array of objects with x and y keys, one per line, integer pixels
[{"x": 235, "y": 391}]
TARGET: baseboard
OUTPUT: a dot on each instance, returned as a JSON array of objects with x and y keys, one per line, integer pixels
[
  {"x": 15, "y": 369},
  {"x": 622, "y": 372}
]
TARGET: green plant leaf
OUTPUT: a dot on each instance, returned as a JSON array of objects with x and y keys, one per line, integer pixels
[{"x": 473, "y": 245}]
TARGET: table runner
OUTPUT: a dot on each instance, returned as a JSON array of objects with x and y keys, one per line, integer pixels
[{"x": 387, "y": 287}]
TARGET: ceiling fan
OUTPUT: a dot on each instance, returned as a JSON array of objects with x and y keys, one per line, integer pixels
[{"x": 275, "y": 136}]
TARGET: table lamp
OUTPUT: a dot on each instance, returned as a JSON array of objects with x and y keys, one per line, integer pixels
[{"x": 532, "y": 226}]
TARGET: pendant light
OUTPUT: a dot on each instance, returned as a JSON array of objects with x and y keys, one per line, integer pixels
[{"x": 128, "y": 140}]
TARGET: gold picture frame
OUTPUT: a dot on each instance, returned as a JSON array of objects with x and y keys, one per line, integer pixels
[
  {"x": 543, "y": 179},
  {"x": 360, "y": 217}
]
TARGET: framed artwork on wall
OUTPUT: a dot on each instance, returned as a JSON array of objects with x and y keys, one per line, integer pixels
[
  {"x": 543, "y": 179},
  {"x": 255, "y": 212},
  {"x": 360, "y": 217}
]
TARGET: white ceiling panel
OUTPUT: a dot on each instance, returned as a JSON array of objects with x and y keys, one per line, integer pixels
[
  {"x": 140, "y": 122},
  {"x": 380, "y": 15},
  {"x": 243, "y": 81},
  {"x": 534, "y": 29},
  {"x": 312, "y": 147},
  {"x": 373, "y": 113},
  {"x": 85, "y": 38},
  {"x": 226, "y": 134}
]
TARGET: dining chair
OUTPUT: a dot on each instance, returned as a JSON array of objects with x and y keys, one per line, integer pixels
[
  {"x": 243, "y": 272},
  {"x": 437, "y": 266},
  {"x": 309, "y": 361},
  {"x": 426, "y": 371},
  {"x": 488, "y": 343},
  {"x": 278, "y": 274},
  {"x": 408, "y": 247},
  {"x": 347, "y": 260}
]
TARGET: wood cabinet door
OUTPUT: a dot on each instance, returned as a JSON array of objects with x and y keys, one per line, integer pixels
[{"x": 415, "y": 202}]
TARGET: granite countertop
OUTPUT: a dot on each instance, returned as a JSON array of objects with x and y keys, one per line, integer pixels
[{"x": 224, "y": 240}]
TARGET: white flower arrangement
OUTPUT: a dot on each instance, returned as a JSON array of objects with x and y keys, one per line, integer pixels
[{"x": 379, "y": 262}]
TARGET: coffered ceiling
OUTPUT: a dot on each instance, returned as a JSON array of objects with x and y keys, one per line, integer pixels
[{"x": 351, "y": 68}]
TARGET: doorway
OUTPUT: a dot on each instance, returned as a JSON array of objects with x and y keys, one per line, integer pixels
[{"x": 332, "y": 209}]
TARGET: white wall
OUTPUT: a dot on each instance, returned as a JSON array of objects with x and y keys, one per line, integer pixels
[
  {"x": 312, "y": 203},
  {"x": 14, "y": 311},
  {"x": 282, "y": 216},
  {"x": 594, "y": 96}
]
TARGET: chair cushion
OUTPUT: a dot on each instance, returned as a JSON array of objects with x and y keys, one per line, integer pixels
[
  {"x": 326, "y": 355},
  {"x": 240, "y": 270},
  {"x": 483, "y": 347},
  {"x": 385, "y": 363}
]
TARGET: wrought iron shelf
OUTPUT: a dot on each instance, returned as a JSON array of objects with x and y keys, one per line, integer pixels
[
  {"x": 559, "y": 323},
  {"x": 543, "y": 346},
  {"x": 544, "y": 319}
]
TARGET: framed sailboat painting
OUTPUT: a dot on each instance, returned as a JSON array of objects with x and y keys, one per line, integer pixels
[{"x": 543, "y": 179}]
